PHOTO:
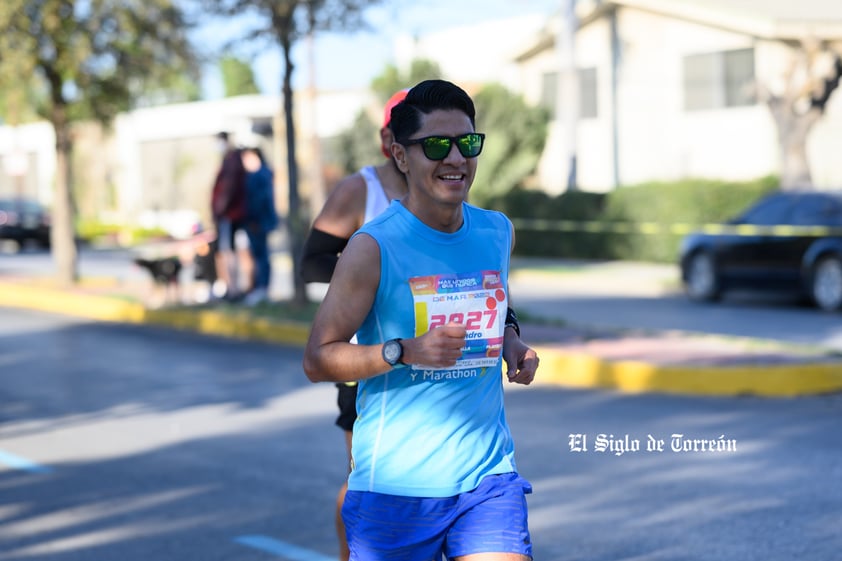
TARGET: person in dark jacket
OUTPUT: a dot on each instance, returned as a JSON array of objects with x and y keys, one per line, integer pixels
[
  {"x": 228, "y": 208},
  {"x": 261, "y": 219}
]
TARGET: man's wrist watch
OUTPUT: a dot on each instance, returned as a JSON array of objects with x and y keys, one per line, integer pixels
[{"x": 392, "y": 352}]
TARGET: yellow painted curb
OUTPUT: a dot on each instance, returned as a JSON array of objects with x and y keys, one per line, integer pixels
[
  {"x": 210, "y": 322},
  {"x": 82, "y": 305},
  {"x": 105, "y": 308},
  {"x": 558, "y": 367},
  {"x": 580, "y": 370}
]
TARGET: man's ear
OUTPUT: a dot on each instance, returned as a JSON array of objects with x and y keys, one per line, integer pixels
[
  {"x": 385, "y": 141},
  {"x": 399, "y": 154}
]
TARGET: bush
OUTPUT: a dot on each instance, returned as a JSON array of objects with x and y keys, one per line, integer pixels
[
  {"x": 643, "y": 222},
  {"x": 99, "y": 233}
]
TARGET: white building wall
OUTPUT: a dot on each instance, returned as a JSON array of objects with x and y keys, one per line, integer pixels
[
  {"x": 823, "y": 146},
  {"x": 474, "y": 54},
  {"x": 659, "y": 140},
  {"x": 30, "y": 149},
  {"x": 594, "y": 138}
]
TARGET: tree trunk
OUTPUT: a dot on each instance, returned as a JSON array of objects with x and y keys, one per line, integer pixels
[
  {"x": 296, "y": 222},
  {"x": 795, "y": 169},
  {"x": 793, "y": 130},
  {"x": 63, "y": 232},
  {"x": 794, "y": 123}
]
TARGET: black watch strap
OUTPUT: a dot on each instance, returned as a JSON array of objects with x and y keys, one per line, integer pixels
[{"x": 511, "y": 320}]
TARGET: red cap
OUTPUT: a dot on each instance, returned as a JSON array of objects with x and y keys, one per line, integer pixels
[{"x": 396, "y": 98}]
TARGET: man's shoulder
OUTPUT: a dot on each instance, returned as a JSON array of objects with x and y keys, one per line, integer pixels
[
  {"x": 350, "y": 186},
  {"x": 485, "y": 213},
  {"x": 347, "y": 197}
]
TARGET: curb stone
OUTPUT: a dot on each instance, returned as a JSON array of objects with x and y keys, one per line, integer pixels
[{"x": 562, "y": 363}]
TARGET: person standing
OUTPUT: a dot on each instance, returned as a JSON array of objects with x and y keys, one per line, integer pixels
[
  {"x": 355, "y": 200},
  {"x": 261, "y": 218},
  {"x": 228, "y": 209},
  {"x": 424, "y": 286}
]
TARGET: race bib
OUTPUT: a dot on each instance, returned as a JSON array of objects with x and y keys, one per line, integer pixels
[{"x": 475, "y": 300}]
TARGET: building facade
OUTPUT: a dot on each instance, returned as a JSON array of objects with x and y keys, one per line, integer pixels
[{"x": 673, "y": 89}]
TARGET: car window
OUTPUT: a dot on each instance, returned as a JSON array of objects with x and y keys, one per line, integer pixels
[
  {"x": 769, "y": 212},
  {"x": 817, "y": 210},
  {"x": 23, "y": 206},
  {"x": 31, "y": 207}
]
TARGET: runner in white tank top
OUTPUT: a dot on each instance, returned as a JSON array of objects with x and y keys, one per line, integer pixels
[
  {"x": 376, "y": 199},
  {"x": 355, "y": 200}
]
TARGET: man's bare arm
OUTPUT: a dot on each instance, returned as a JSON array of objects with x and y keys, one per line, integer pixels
[
  {"x": 341, "y": 216},
  {"x": 329, "y": 356}
]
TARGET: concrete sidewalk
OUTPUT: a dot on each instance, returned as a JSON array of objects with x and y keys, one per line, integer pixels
[{"x": 571, "y": 356}]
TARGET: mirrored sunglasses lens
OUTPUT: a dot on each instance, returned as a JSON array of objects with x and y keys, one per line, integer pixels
[
  {"x": 470, "y": 145},
  {"x": 436, "y": 147}
]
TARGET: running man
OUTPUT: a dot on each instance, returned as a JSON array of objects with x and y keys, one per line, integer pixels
[{"x": 424, "y": 286}]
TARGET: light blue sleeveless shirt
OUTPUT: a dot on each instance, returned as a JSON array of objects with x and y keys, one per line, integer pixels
[{"x": 422, "y": 431}]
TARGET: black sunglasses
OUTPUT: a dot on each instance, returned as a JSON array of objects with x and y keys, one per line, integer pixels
[{"x": 438, "y": 147}]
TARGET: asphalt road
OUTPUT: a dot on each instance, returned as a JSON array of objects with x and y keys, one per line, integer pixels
[{"x": 135, "y": 443}]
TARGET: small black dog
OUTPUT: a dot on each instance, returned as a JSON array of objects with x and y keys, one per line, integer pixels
[{"x": 164, "y": 274}]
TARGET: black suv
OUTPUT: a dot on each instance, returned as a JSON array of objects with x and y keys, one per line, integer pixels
[
  {"x": 24, "y": 220},
  {"x": 788, "y": 240}
]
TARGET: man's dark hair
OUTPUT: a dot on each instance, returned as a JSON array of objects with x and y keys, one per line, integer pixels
[{"x": 426, "y": 97}]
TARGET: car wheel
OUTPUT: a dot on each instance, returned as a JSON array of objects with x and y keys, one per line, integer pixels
[
  {"x": 826, "y": 288},
  {"x": 702, "y": 282}
]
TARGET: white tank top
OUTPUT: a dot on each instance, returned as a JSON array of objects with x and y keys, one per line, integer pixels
[{"x": 376, "y": 200}]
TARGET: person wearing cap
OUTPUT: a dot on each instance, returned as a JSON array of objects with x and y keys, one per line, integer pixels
[
  {"x": 424, "y": 289},
  {"x": 355, "y": 200}
]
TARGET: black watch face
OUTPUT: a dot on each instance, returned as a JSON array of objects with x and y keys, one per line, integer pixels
[{"x": 392, "y": 352}]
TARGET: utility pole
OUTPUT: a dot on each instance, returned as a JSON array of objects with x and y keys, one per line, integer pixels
[{"x": 568, "y": 90}]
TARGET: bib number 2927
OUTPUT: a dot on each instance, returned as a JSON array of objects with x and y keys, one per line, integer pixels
[{"x": 476, "y": 320}]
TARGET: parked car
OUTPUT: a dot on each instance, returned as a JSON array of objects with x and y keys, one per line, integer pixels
[
  {"x": 24, "y": 221},
  {"x": 788, "y": 240}
]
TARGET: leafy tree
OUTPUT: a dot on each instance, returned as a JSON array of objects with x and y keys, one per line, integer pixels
[
  {"x": 357, "y": 146},
  {"x": 284, "y": 23},
  {"x": 237, "y": 77},
  {"x": 392, "y": 79},
  {"x": 809, "y": 81},
  {"x": 91, "y": 60},
  {"x": 515, "y": 138}
]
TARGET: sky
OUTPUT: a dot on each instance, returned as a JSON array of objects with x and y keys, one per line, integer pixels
[{"x": 352, "y": 60}]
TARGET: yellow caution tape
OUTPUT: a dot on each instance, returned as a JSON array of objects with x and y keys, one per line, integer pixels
[{"x": 653, "y": 228}]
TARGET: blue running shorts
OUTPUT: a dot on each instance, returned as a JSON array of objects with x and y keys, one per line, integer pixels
[{"x": 490, "y": 519}]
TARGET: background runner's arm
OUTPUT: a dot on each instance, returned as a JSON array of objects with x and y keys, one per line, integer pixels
[{"x": 321, "y": 252}]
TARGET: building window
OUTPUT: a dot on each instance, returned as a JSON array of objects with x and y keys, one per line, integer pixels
[
  {"x": 587, "y": 93},
  {"x": 717, "y": 80},
  {"x": 549, "y": 92}
]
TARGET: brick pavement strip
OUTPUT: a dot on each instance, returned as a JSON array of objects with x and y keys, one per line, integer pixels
[{"x": 622, "y": 361}]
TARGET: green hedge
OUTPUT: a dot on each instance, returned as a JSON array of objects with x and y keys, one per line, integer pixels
[{"x": 641, "y": 222}]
